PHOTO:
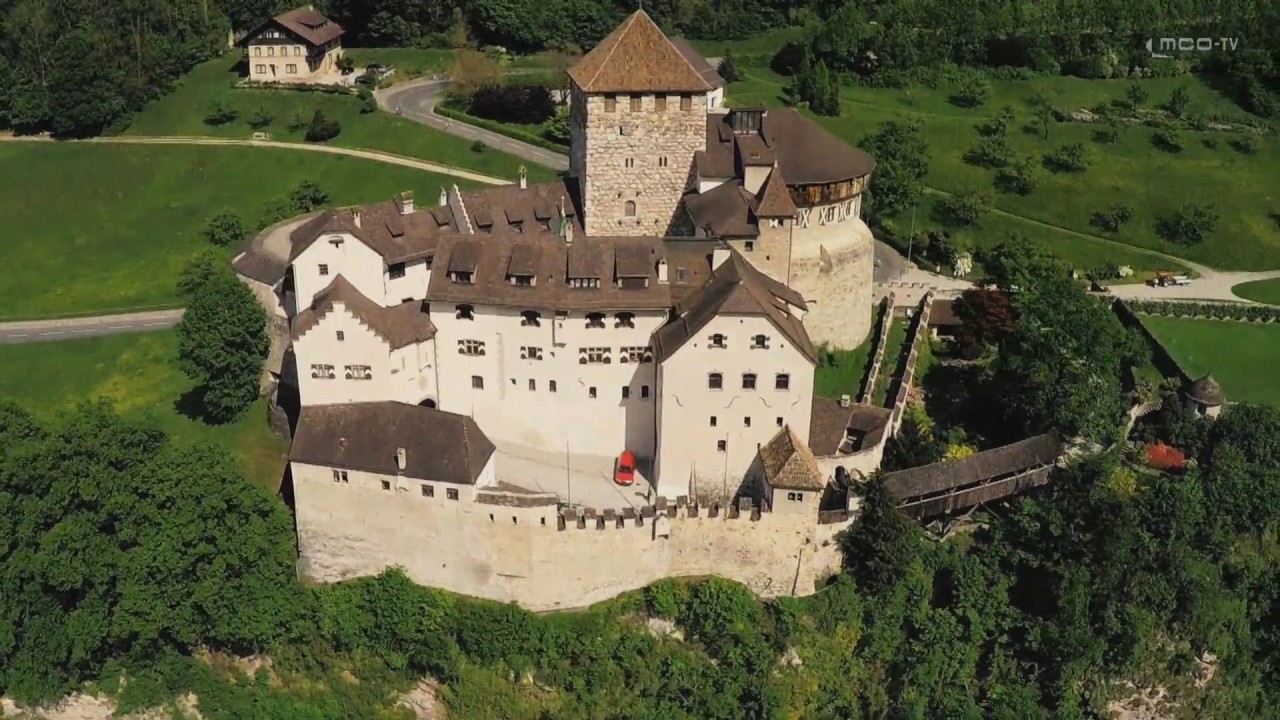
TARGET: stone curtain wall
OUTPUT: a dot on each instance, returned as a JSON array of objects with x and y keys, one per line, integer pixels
[
  {"x": 831, "y": 267},
  {"x": 918, "y": 334},
  {"x": 1160, "y": 356},
  {"x": 548, "y": 560},
  {"x": 869, "y": 379}
]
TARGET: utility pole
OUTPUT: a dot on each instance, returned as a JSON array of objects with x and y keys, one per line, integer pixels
[{"x": 911, "y": 237}]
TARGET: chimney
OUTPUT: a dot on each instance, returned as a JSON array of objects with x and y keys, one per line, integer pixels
[
  {"x": 566, "y": 225},
  {"x": 355, "y": 216},
  {"x": 406, "y": 202},
  {"x": 444, "y": 197},
  {"x": 401, "y": 459},
  {"x": 845, "y": 401},
  {"x": 662, "y": 271},
  {"x": 524, "y": 178}
]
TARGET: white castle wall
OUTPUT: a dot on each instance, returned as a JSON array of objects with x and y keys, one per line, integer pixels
[{"x": 832, "y": 262}]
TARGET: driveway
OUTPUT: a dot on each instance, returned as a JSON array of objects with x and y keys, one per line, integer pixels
[
  {"x": 1211, "y": 285},
  {"x": 416, "y": 100}
]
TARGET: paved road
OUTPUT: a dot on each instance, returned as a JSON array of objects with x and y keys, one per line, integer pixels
[
  {"x": 416, "y": 100},
  {"x": 48, "y": 330}
]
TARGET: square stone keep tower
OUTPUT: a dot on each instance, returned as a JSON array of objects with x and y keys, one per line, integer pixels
[{"x": 638, "y": 114}]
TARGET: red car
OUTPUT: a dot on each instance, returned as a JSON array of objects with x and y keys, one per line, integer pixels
[{"x": 625, "y": 473}]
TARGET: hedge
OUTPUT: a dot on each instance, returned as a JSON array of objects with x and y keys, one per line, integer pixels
[
  {"x": 1210, "y": 311},
  {"x": 501, "y": 129}
]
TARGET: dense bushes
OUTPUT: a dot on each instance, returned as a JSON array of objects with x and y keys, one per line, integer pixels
[
  {"x": 522, "y": 104},
  {"x": 1214, "y": 311}
]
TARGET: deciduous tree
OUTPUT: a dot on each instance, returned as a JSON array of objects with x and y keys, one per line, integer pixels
[{"x": 222, "y": 342}]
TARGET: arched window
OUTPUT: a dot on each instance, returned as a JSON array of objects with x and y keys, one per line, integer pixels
[
  {"x": 629, "y": 208},
  {"x": 715, "y": 381}
]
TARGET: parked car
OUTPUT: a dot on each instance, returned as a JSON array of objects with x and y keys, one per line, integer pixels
[{"x": 625, "y": 470}]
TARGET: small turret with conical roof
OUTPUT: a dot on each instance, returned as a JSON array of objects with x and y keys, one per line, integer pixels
[{"x": 1204, "y": 397}]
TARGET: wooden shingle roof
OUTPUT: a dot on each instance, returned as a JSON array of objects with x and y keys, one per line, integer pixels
[{"x": 788, "y": 463}]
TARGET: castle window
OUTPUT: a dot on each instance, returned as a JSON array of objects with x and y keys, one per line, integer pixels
[
  {"x": 644, "y": 392},
  {"x": 464, "y": 312},
  {"x": 627, "y": 320},
  {"x": 358, "y": 372},
  {"x": 477, "y": 382},
  {"x": 386, "y": 484},
  {"x": 775, "y": 222},
  {"x": 635, "y": 354},
  {"x": 797, "y": 497},
  {"x": 451, "y": 493},
  {"x": 471, "y": 347},
  {"x": 341, "y": 336},
  {"x": 635, "y": 103},
  {"x": 713, "y": 421},
  {"x": 759, "y": 342},
  {"x": 749, "y": 246},
  {"x": 544, "y": 224},
  {"x": 324, "y": 269},
  {"x": 778, "y": 420},
  {"x": 297, "y": 50},
  {"x": 717, "y": 340},
  {"x": 746, "y": 421},
  {"x": 686, "y": 101},
  {"x": 594, "y": 356},
  {"x": 722, "y": 445},
  {"x": 428, "y": 490},
  {"x": 626, "y": 392},
  {"x": 595, "y": 320},
  {"x": 782, "y": 381},
  {"x": 629, "y": 162},
  {"x": 530, "y": 318},
  {"x": 748, "y": 381},
  {"x": 339, "y": 475},
  {"x": 662, "y": 161},
  {"x": 461, "y": 277},
  {"x": 529, "y": 352},
  {"x": 660, "y": 103},
  {"x": 551, "y": 385},
  {"x": 271, "y": 50},
  {"x": 715, "y": 381},
  {"x": 681, "y": 275},
  {"x": 629, "y": 208},
  {"x": 591, "y": 392},
  {"x": 610, "y": 103},
  {"x": 322, "y": 372},
  {"x": 257, "y": 51},
  {"x": 395, "y": 271},
  {"x": 533, "y": 385}
]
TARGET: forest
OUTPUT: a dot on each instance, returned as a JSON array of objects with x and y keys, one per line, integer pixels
[{"x": 149, "y": 568}]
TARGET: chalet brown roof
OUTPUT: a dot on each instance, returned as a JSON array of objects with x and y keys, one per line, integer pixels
[
  {"x": 723, "y": 211},
  {"x": 943, "y": 314},
  {"x": 830, "y": 425},
  {"x": 1038, "y": 451},
  {"x": 439, "y": 446},
  {"x": 400, "y": 325},
  {"x": 806, "y": 152},
  {"x": 773, "y": 200},
  {"x": 735, "y": 288},
  {"x": 637, "y": 57},
  {"x": 306, "y": 23},
  {"x": 788, "y": 463},
  {"x": 1206, "y": 391},
  {"x": 699, "y": 63}
]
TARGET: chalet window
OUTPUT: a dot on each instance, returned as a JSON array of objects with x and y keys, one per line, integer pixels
[
  {"x": 759, "y": 342},
  {"x": 322, "y": 372},
  {"x": 471, "y": 347},
  {"x": 260, "y": 69},
  {"x": 358, "y": 372},
  {"x": 715, "y": 381},
  {"x": 748, "y": 381},
  {"x": 341, "y": 336},
  {"x": 626, "y": 392},
  {"x": 629, "y": 208},
  {"x": 451, "y": 493},
  {"x": 635, "y": 354},
  {"x": 291, "y": 69},
  {"x": 627, "y": 320},
  {"x": 477, "y": 383},
  {"x": 297, "y": 49},
  {"x": 660, "y": 103},
  {"x": 782, "y": 381},
  {"x": 610, "y": 103},
  {"x": 644, "y": 392},
  {"x": 464, "y": 312},
  {"x": 746, "y": 421},
  {"x": 591, "y": 392},
  {"x": 595, "y": 320},
  {"x": 271, "y": 50},
  {"x": 530, "y": 318},
  {"x": 428, "y": 490},
  {"x": 686, "y": 101},
  {"x": 636, "y": 103},
  {"x": 396, "y": 271},
  {"x": 778, "y": 421},
  {"x": 713, "y": 421},
  {"x": 594, "y": 356},
  {"x": 722, "y": 445},
  {"x": 529, "y": 352},
  {"x": 460, "y": 277},
  {"x": 257, "y": 51},
  {"x": 749, "y": 246},
  {"x": 324, "y": 269},
  {"x": 551, "y": 385},
  {"x": 717, "y": 340}
]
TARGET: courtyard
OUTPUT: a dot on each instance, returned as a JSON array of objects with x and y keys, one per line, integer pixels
[{"x": 578, "y": 480}]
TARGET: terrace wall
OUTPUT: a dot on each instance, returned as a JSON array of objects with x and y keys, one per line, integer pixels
[{"x": 1160, "y": 356}]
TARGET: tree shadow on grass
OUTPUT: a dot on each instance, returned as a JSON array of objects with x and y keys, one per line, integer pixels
[
  {"x": 958, "y": 395},
  {"x": 190, "y": 405}
]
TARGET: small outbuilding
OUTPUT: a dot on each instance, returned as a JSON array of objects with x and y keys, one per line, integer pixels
[
  {"x": 792, "y": 481},
  {"x": 943, "y": 321},
  {"x": 1204, "y": 397},
  {"x": 300, "y": 46}
]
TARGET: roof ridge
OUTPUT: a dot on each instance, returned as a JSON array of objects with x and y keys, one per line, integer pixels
[{"x": 621, "y": 31}]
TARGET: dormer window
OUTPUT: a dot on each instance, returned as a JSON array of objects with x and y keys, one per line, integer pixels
[
  {"x": 624, "y": 320},
  {"x": 517, "y": 227},
  {"x": 681, "y": 275},
  {"x": 760, "y": 342},
  {"x": 521, "y": 280},
  {"x": 595, "y": 320},
  {"x": 464, "y": 312},
  {"x": 530, "y": 318},
  {"x": 717, "y": 340},
  {"x": 544, "y": 224},
  {"x": 584, "y": 282},
  {"x": 461, "y": 277}
]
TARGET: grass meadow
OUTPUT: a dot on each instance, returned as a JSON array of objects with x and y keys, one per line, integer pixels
[
  {"x": 1263, "y": 291},
  {"x": 139, "y": 373},
  {"x": 1240, "y": 355}
]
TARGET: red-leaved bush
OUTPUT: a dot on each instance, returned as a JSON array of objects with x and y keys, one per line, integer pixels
[{"x": 1163, "y": 457}]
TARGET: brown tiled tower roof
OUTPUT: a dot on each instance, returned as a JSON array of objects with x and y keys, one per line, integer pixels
[
  {"x": 788, "y": 463},
  {"x": 637, "y": 57}
]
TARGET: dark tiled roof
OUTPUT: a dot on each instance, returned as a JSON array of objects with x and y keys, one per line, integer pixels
[
  {"x": 735, "y": 288},
  {"x": 753, "y": 152},
  {"x": 304, "y": 22},
  {"x": 807, "y": 153},
  {"x": 943, "y": 314},
  {"x": 1206, "y": 391},
  {"x": 439, "y": 446},
  {"x": 1037, "y": 451},
  {"x": 381, "y": 226},
  {"x": 504, "y": 206},
  {"x": 773, "y": 200},
  {"x": 637, "y": 57},
  {"x": 830, "y": 424},
  {"x": 698, "y": 62},
  {"x": 261, "y": 266},
  {"x": 726, "y": 210},
  {"x": 400, "y": 325},
  {"x": 788, "y": 463}
]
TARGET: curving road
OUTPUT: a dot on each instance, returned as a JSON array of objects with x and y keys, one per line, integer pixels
[{"x": 86, "y": 327}]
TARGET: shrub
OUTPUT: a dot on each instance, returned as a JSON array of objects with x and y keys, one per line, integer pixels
[
  {"x": 1108, "y": 133},
  {"x": 557, "y": 130},
  {"x": 346, "y": 65},
  {"x": 1178, "y": 101},
  {"x": 1217, "y": 311},
  {"x": 1188, "y": 226},
  {"x": 261, "y": 118},
  {"x": 307, "y": 196},
  {"x": 322, "y": 129},
  {"x": 972, "y": 91},
  {"x": 728, "y": 69},
  {"x": 1137, "y": 95},
  {"x": 1167, "y": 139},
  {"x": 1164, "y": 457},
  {"x": 225, "y": 229},
  {"x": 997, "y": 126},
  {"x": 1246, "y": 145},
  {"x": 273, "y": 211},
  {"x": 1020, "y": 177},
  {"x": 1112, "y": 218},
  {"x": 521, "y": 104},
  {"x": 368, "y": 103},
  {"x": 296, "y": 122},
  {"x": 219, "y": 113},
  {"x": 478, "y": 146},
  {"x": 1068, "y": 158},
  {"x": 990, "y": 152},
  {"x": 788, "y": 59},
  {"x": 966, "y": 208}
]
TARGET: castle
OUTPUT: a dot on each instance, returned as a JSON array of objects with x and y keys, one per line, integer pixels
[{"x": 468, "y": 371}]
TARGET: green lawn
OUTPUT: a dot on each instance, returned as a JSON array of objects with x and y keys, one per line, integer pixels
[
  {"x": 1131, "y": 171},
  {"x": 1240, "y": 355},
  {"x": 182, "y": 112},
  {"x": 98, "y": 228},
  {"x": 1263, "y": 291},
  {"x": 764, "y": 45},
  {"x": 891, "y": 365},
  {"x": 844, "y": 376},
  {"x": 140, "y": 374},
  {"x": 408, "y": 62}
]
